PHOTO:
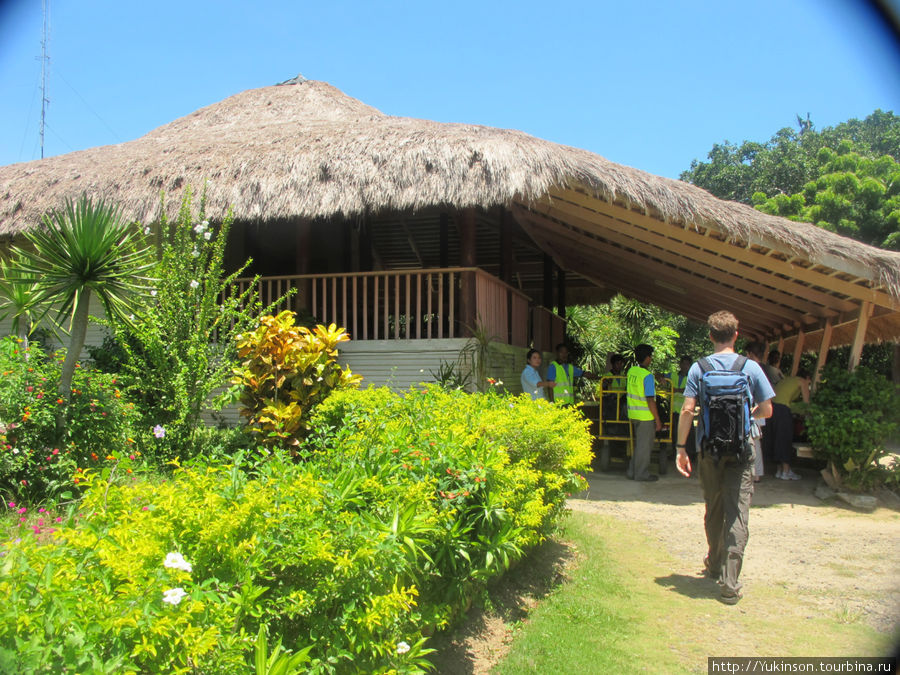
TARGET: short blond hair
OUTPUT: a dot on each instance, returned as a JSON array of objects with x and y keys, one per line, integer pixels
[{"x": 722, "y": 326}]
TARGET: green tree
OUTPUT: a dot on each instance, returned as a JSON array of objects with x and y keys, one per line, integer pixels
[
  {"x": 83, "y": 250},
  {"x": 843, "y": 178}
]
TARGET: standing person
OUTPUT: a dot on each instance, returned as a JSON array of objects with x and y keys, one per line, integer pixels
[
  {"x": 679, "y": 380},
  {"x": 755, "y": 351},
  {"x": 772, "y": 368},
  {"x": 789, "y": 393},
  {"x": 726, "y": 481},
  {"x": 643, "y": 414},
  {"x": 562, "y": 374},
  {"x": 531, "y": 377}
]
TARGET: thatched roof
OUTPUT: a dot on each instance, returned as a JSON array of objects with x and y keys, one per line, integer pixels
[{"x": 306, "y": 150}]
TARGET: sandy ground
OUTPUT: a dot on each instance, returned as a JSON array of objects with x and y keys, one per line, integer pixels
[{"x": 837, "y": 560}]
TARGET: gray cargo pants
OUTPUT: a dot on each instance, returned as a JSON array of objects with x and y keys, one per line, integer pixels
[
  {"x": 727, "y": 487},
  {"x": 644, "y": 434}
]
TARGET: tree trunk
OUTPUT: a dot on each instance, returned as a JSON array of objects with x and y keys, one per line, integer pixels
[{"x": 76, "y": 344}]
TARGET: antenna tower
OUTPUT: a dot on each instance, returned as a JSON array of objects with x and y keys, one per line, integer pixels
[{"x": 45, "y": 7}]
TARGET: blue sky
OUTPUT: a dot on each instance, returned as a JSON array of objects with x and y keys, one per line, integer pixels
[{"x": 649, "y": 84}]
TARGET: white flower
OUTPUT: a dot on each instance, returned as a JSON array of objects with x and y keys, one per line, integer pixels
[
  {"x": 199, "y": 228},
  {"x": 174, "y": 595},
  {"x": 205, "y": 223},
  {"x": 153, "y": 293},
  {"x": 146, "y": 230},
  {"x": 194, "y": 283},
  {"x": 195, "y": 253},
  {"x": 207, "y": 235},
  {"x": 402, "y": 647},
  {"x": 176, "y": 561}
]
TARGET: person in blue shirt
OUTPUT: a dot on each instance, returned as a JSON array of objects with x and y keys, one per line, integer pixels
[
  {"x": 562, "y": 374},
  {"x": 531, "y": 377},
  {"x": 727, "y": 482}
]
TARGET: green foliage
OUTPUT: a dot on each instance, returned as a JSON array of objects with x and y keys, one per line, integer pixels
[
  {"x": 36, "y": 462},
  {"x": 622, "y": 323},
  {"x": 854, "y": 196},
  {"x": 850, "y": 417},
  {"x": 179, "y": 347},
  {"x": 286, "y": 371},
  {"x": 844, "y": 178},
  {"x": 451, "y": 376},
  {"x": 84, "y": 249},
  {"x": 406, "y": 506}
]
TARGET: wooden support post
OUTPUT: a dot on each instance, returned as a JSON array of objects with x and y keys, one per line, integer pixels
[
  {"x": 467, "y": 258},
  {"x": 859, "y": 338},
  {"x": 798, "y": 351},
  {"x": 823, "y": 353},
  {"x": 561, "y": 292},
  {"x": 548, "y": 281},
  {"x": 302, "y": 249},
  {"x": 444, "y": 236},
  {"x": 506, "y": 252}
]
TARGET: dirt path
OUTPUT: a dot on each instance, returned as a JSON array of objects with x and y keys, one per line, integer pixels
[
  {"x": 827, "y": 559},
  {"x": 839, "y": 561}
]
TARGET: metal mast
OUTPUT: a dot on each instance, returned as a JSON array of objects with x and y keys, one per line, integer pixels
[{"x": 45, "y": 7}]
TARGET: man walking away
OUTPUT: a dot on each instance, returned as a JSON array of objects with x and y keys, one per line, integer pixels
[
  {"x": 726, "y": 478},
  {"x": 563, "y": 375},
  {"x": 643, "y": 414}
]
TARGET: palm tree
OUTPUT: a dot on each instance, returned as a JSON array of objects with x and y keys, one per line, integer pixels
[{"x": 83, "y": 249}]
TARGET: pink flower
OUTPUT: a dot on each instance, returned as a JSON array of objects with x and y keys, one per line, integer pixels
[
  {"x": 29, "y": 389},
  {"x": 22, "y": 510},
  {"x": 131, "y": 457},
  {"x": 42, "y": 510},
  {"x": 58, "y": 519},
  {"x": 12, "y": 505},
  {"x": 41, "y": 522}
]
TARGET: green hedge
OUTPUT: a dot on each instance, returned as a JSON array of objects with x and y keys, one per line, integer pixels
[{"x": 405, "y": 506}]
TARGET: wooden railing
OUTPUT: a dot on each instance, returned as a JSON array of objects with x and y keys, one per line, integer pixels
[{"x": 414, "y": 304}]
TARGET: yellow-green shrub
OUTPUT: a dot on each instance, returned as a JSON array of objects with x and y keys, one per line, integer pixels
[{"x": 286, "y": 370}]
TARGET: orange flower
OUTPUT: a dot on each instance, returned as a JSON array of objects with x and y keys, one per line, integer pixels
[{"x": 94, "y": 456}]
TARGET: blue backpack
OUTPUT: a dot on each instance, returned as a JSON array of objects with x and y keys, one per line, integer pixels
[{"x": 725, "y": 403}]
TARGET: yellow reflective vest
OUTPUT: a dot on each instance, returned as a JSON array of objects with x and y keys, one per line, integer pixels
[
  {"x": 637, "y": 400},
  {"x": 678, "y": 382},
  {"x": 564, "y": 389}
]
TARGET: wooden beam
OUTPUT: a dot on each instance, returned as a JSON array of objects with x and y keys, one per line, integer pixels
[
  {"x": 734, "y": 250},
  {"x": 678, "y": 254},
  {"x": 467, "y": 258},
  {"x": 664, "y": 273},
  {"x": 412, "y": 242},
  {"x": 824, "y": 346},
  {"x": 444, "y": 238},
  {"x": 561, "y": 292},
  {"x": 506, "y": 249},
  {"x": 859, "y": 337},
  {"x": 798, "y": 352},
  {"x": 627, "y": 278}
]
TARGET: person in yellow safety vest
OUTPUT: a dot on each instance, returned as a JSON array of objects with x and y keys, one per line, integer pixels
[
  {"x": 563, "y": 375},
  {"x": 679, "y": 380},
  {"x": 641, "y": 393},
  {"x": 616, "y": 366}
]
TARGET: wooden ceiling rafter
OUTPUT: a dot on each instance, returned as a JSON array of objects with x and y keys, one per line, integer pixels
[
  {"x": 860, "y": 290},
  {"x": 676, "y": 254},
  {"x": 694, "y": 249},
  {"x": 626, "y": 278}
]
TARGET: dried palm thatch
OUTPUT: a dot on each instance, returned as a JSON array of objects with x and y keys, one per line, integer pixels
[{"x": 306, "y": 150}]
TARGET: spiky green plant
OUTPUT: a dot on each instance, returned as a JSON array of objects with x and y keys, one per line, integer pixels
[{"x": 84, "y": 249}]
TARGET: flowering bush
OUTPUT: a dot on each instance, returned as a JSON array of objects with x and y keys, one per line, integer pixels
[
  {"x": 179, "y": 348},
  {"x": 40, "y": 460},
  {"x": 405, "y": 507}
]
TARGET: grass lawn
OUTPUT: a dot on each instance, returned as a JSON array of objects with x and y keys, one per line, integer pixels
[{"x": 629, "y": 608}]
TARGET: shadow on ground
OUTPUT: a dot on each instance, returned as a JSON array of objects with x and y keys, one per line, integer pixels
[
  {"x": 696, "y": 587},
  {"x": 476, "y": 644}
]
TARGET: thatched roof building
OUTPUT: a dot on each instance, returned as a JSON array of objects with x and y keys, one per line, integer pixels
[{"x": 305, "y": 151}]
